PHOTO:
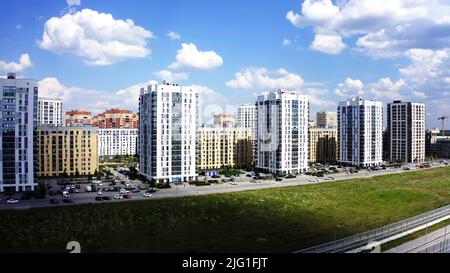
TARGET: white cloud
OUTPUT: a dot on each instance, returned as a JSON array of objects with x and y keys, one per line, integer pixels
[
  {"x": 170, "y": 76},
  {"x": 420, "y": 95},
  {"x": 81, "y": 98},
  {"x": 24, "y": 63},
  {"x": 385, "y": 89},
  {"x": 97, "y": 37},
  {"x": 330, "y": 44},
  {"x": 173, "y": 35},
  {"x": 262, "y": 78},
  {"x": 350, "y": 87},
  {"x": 382, "y": 28},
  {"x": 190, "y": 56},
  {"x": 286, "y": 42},
  {"x": 73, "y": 2}
]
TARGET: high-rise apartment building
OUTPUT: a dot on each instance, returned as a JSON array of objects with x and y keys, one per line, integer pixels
[
  {"x": 67, "y": 150},
  {"x": 116, "y": 118},
  {"x": 167, "y": 132},
  {"x": 406, "y": 131},
  {"x": 246, "y": 118},
  {"x": 18, "y": 121},
  {"x": 323, "y": 144},
  {"x": 326, "y": 119},
  {"x": 282, "y": 134},
  {"x": 360, "y": 132},
  {"x": 50, "y": 111},
  {"x": 78, "y": 118},
  {"x": 224, "y": 146},
  {"x": 224, "y": 120},
  {"x": 117, "y": 141}
]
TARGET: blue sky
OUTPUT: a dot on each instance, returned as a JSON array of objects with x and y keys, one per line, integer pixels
[{"x": 86, "y": 51}]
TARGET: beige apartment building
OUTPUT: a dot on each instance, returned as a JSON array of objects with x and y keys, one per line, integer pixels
[
  {"x": 67, "y": 150},
  {"x": 224, "y": 146},
  {"x": 323, "y": 144}
]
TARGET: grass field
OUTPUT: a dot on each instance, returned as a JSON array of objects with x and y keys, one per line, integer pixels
[{"x": 268, "y": 220}]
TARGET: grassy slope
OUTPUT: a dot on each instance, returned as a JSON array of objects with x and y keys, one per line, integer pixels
[{"x": 269, "y": 220}]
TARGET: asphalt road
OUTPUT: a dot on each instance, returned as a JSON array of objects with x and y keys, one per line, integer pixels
[{"x": 243, "y": 184}]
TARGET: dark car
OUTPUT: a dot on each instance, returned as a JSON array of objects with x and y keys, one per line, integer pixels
[
  {"x": 216, "y": 176},
  {"x": 126, "y": 196},
  {"x": 279, "y": 179},
  {"x": 54, "y": 201},
  {"x": 106, "y": 198},
  {"x": 248, "y": 175},
  {"x": 77, "y": 187},
  {"x": 136, "y": 190},
  {"x": 98, "y": 198},
  {"x": 67, "y": 200}
]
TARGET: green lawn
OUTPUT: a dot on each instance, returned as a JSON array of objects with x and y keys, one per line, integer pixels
[{"x": 268, "y": 220}]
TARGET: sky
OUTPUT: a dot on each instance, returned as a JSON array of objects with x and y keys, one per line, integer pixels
[{"x": 96, "y": 54}]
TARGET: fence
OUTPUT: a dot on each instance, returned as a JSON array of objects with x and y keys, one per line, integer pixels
[
  {"x": 441, "y": 247},
  {"x": 383, "y": 234}
]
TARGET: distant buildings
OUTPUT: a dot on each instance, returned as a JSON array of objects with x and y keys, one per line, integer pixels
[
  {"x": 19, "y": 100},
  {"x": 406, "y": 131},
  {"x": 282, "y": 132},
  {"x": 67, "y": 150},
  {"x": 220, "y": 146},
  {"x": 436, "y": 145},
  {"x": 78, "y": 118},
  {"x": 323, "y": 144},
  {"x": 224, "y": 120},
  {"x": 326, "y": 119},
  {"x": 167, "y": 132},
  {"x": 116, "y": 118},
  {"x": 50, "y": 111},
  {"x": 246, "y": 118},
  {"x": 360, "y": 132},
  {"x": 117, "y": 141}
]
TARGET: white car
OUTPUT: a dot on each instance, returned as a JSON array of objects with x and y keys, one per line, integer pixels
[
  {"x": 99, "y": 193},
  {"x": 65, "y": 194},
  {"x": 12, "y": 201},
  {"x": 328, "y": 178},
  {"x": 147, "y": 194},
  {"x": 313, "y": 180},
  {"x": 233, "y": 183},
  {"x": 124, "y": 191},
  {"x": 118, "y": 196}
]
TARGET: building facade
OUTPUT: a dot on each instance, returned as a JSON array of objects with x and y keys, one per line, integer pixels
[
  {"x": 116, "y": 118},
  {"x": 360, "y": 132},
  {"x": 117, "y": 141},
  {"x": 246, "y": 118},
  {"x": 406, "y": 131},
  {"x": 18, "y": 121},
  {"x": 50, "y": 111},
  {"x": 67, "y": 151},
  {"x": 78, "y": 118},
  {"x": 323, "y": 144},
  {"x": 167, "y": 132},
  {"x": 224, "y": 120},
  {"x": 282, "y": 134},
  {"x": 437, "y": 145},
  {"x": 326, "y": 119},
  {"x": 224, "y": 146}
]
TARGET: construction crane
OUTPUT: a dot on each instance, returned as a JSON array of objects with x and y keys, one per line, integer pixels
[{"x": 443, "y": 123}]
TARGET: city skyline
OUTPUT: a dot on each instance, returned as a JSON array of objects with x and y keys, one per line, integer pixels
[{"x": 312, "y": 46}]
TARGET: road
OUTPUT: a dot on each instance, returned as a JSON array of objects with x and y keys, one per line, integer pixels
[{"x": 243, "y": 184}]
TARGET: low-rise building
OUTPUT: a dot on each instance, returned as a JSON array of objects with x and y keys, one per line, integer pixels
[
  {"x": 78, "y": 118},
  {"x": 67, "y": 150},
  {"x": 224, "y": 146},
  {"x": 116, "y": 118},
  {"x": 437, "y": 145},
  {"x": 323, "y": 144}
]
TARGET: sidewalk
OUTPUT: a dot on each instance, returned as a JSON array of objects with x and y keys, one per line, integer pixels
[{"x": 423, "y": 242}]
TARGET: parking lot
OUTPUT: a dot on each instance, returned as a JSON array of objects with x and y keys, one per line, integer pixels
[{"x": 240, "y": 183}]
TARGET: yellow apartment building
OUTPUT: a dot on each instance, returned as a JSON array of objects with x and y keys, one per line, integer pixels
[{"x": 323, "y": 144}]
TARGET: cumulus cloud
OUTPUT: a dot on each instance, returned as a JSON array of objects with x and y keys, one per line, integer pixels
[
  {"x": 382, "y": 28},
  {"x": 330, "y": 44},
  {"x": 286, "y": 42},
  {"x": 189, "y": 56},
  {"x": 97, "y": 37},
  {"x": 73, "y": 2},
  {"x": 169, "y": 76},
  {"x": 262, "y": 78},
  {"x": 350, "y": 87},
  {"x": 24, "y": 63},
  {"x": 173, "y": 35}
]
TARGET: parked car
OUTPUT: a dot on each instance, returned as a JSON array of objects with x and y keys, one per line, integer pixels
[
  {"x": 233, "y": 183},
  {"x": 328, "y": 178},
  {"x": 136, "y": 190},
  {"x": 98, "y": 198},
  {"x": 65, "y": 194},
  {"x": 279, "y": 179},
  {"x": 127, "y": 196},
  {"x": 67, "y": 200},
  {"x": 313, "y": 180},
  {"x": 12, "y": 201},
  {"x": 248, "y": 175},
  {"x": 54, "y": 201},
  {"x": 100, "y": 193},
  {"x": 124, "y": 191},
  {"x": 147, "y": 194},
  {"x": 106, "y": 198},
  {"x": 118, "y": 196}
]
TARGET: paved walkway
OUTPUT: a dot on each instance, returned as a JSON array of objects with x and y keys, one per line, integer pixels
[{"x": 423, "y": 243}]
